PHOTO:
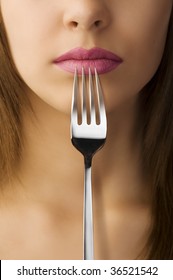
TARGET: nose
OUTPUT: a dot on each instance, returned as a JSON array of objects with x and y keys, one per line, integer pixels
[{"x": 87, "y": 15}]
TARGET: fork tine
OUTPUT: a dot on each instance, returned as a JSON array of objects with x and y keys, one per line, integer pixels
[
  {"x": 91, "y": 99},
  {"x": 101, "y": 106},
  {"x": 74, "y": 112},
  {"x": 84, "y": 111}
]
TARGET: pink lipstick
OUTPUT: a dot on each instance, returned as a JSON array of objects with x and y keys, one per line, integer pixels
[{"x": 103, "y": 60}]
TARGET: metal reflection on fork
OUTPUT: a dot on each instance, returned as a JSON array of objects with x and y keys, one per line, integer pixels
[{"x": 88, "y": 135}]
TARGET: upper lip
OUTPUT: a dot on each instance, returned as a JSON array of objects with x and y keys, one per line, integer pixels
[{"x": 91, "y": 54}]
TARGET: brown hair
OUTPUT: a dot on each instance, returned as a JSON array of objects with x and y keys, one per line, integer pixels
[
  {"x": 156, "y": 112},
  {"x": 12, "y": 101},
  {"x": 156, "y": 101}
]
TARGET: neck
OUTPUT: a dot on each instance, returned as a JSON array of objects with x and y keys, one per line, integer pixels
[{"x": 51, "y": 168}]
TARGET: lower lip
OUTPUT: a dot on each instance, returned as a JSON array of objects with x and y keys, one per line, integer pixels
[{"x": 102, "y": 65}]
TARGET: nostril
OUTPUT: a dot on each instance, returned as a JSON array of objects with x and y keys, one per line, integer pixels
[
  {"x": 97, "y": 23},
  {"x": 73, "y": 24}
]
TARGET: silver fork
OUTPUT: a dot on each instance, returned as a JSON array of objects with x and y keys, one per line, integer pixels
[{"x": 88, "y": 137}]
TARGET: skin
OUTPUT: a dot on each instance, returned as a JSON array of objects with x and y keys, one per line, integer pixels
[{"x": 47, "y": 203}]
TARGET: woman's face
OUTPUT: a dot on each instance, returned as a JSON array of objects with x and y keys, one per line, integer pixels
[{"x": 41, "y": 31}]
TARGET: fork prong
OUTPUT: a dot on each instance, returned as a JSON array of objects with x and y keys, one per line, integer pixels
[
  {"x": 101, "y": 106},
  {"x": 84, "y": 111},
  {"x": 74, "y": 111},
  {"x": 91, "y": 99}
]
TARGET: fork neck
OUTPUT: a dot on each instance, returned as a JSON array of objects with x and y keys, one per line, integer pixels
[{"x": 88, "y": 161}]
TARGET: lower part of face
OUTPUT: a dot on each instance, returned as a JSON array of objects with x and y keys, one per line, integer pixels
[{"x": 40, "y": 31}]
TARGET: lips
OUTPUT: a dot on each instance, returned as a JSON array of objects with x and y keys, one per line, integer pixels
[{"x": 103, "y": 60}]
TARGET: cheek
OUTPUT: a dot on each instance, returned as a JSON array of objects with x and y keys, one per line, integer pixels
[
  {"x": 148, "y": 34},
  {"x": 142, "y": 46},
  {"x": 25, "y": 28}
]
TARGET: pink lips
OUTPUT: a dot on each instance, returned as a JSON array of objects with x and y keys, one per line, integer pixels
[{"x": 104, "y": 61}]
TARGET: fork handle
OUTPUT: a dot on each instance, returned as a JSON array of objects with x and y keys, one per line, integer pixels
[{"x": 88, "y": 214}]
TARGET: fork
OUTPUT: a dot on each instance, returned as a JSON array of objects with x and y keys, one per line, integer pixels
[{"x": 88, "y": 136}]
